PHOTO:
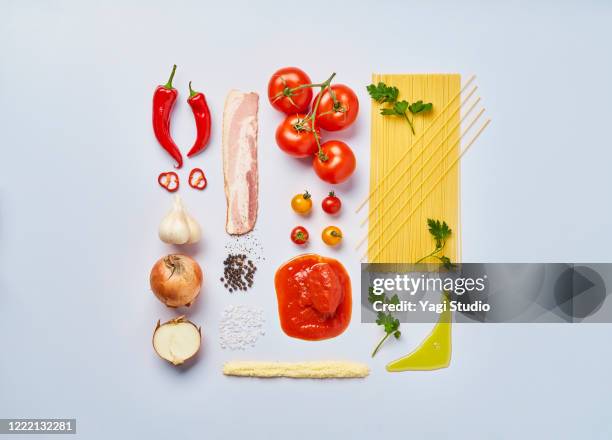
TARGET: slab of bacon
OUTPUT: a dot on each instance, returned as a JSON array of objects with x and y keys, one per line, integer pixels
[{"x": 241, "y": 178}]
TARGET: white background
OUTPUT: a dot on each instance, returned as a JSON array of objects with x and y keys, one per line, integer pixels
[{"x": 79, "y": 209}]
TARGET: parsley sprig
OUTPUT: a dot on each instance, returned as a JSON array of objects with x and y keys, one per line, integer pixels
[
  {"x": 387, "y": 320},
  {"x": 383, "y": 93},
  {"x": 441, "y": 233}
]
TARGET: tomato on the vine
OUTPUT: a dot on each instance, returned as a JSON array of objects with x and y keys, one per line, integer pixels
[
  {"x": 279, "y": 90},
  {"x": 295, "y": 136},
  {"x": 334, "y": 116},
  {"x": 331, "y": 204},
  {"x": 299, "y": 235},
  {"x": 335, "y": 162}
]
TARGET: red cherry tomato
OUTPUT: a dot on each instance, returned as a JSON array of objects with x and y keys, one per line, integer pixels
[
  {"x": 331, "y": 204},
  {"x": 295, "y": 137},
  {"x": 299, "y": 235},
  {"x": 333, "y": 117},
  {"x": 279, "y": 90},
  {"x": 335, "y": 163}
]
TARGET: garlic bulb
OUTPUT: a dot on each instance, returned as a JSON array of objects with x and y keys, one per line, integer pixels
[
  {"x": 178, "y": 227},
  {"x": 195, "y": 232}
]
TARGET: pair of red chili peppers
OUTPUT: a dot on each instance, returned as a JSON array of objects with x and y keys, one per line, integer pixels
[
  {"x": 170, "y": 180},
  {"x": 163, "y": 102}
]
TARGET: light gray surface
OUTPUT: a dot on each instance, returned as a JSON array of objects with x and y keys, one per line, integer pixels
[{"x": 79, "y": 208}]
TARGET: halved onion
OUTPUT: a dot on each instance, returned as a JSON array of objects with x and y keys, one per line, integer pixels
[{"x": 177, "y": 340}]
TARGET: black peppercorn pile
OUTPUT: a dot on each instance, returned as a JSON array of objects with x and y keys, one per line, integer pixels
[{"x": 238, "y": 272}]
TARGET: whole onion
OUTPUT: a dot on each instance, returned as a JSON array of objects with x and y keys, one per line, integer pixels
[{"x": 176, "y": 280}]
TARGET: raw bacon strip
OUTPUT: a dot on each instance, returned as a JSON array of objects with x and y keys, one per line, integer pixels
[{"x": 241, "y": 178}]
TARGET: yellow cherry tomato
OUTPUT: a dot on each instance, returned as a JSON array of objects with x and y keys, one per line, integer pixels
[
  {"x": 302, "y": 203},
  {"x": 332, "y": 235}
]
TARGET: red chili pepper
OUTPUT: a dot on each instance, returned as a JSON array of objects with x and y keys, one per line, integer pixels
[
  {"x": 163, "y": 101},
  {"x": 169, "y": 181},
  {"x": 197, "y": 179},
  {"x": 201, "y": 113}
]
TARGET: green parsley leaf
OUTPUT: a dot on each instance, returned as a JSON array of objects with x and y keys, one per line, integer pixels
[
  {"x": 388, "y": 111},
  {"x": 383, "y": 93},
  {"x": 420, "y": 107},
  {"x": 440, "y": 231},
  {"x": 390, "y": 323},
  {"x": 398, "y": 109},
  {"x": 446, "y": 262}
]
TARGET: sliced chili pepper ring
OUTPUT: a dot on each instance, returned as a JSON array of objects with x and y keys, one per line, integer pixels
[
  {"x": 169, "y": 181},
  {"x": 197, "y": 179}
]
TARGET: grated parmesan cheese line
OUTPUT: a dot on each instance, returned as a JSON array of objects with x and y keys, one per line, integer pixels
[{"x": 297, "y": 370}]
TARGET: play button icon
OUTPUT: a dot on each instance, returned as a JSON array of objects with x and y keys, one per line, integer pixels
[{"x": 579, "y": 291}]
